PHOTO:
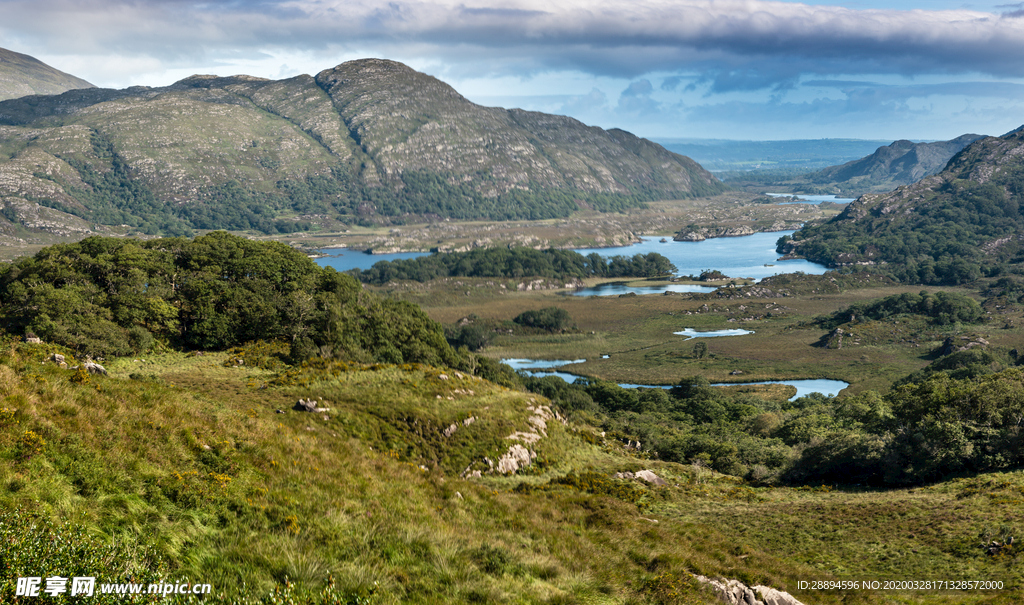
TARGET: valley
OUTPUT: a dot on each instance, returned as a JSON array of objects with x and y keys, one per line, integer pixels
[{"x": 189, "y": 393}]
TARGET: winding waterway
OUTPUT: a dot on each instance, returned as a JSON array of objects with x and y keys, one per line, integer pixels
[{"x": 542, "y": 367}]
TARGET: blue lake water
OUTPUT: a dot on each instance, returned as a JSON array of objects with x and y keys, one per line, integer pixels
[
  {"x": 346, "y": 259},
  {"x": 751, "y": 256},
  {"x": 747, "y": 256},
  {"x": 542, "y": 367},
  {"x": 811, "y": 199}
]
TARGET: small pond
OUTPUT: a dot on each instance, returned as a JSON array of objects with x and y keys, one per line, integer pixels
[
  {"x": 616, "y": 289},
  {"x": 811, "y": 199},
  {"x": 691, "y": 333}
]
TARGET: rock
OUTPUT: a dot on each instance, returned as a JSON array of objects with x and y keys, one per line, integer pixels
[
  {"x": 515, "y": 458},
  {"x": 735, "y": 372},
  {"x": 309, "y": 405},
  {"x": 650, "y": 477},
  {"x": 624, "y": 475},
  {"x": 835, "y": 339},
  {"x": 33, "y": 340},
  {"x": 448, "y": 432},
  {"x": 94, "y": 368},
  {"x": 57, "y": 358},
  {"x": 735, "y": 592}
]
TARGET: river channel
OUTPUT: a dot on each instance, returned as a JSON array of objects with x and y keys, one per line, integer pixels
[{"x": 543, "y": 367}]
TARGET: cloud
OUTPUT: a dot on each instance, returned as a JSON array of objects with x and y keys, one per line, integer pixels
[
  {"x": 636, "y": 99},
  {"x": 734, "y": 44}
]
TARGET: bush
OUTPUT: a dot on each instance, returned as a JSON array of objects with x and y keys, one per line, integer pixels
[{"x": 552, "y": 319}]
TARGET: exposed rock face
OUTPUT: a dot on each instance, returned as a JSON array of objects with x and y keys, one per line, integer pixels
[
  {"x": 954, "y": 345},
  {"x": 735, "y": 592},
  {"x": 514, "y": 459}
]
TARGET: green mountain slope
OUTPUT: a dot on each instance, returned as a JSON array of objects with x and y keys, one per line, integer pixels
[
  {"x": 22, "y": 75},
  {"x": 369, "y": 140},
  {"x": 952, "y": 227}
]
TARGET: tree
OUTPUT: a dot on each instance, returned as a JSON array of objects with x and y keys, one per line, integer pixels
[{"x": 700, "y": 350}]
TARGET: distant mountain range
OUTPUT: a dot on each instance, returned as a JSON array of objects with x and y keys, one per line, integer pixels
[
  {"x": 952, "y": 227},
  {"x": 367, "y": 141},
  {"x": 901, "y": 163},
  {"x": 22, "y": 75}
]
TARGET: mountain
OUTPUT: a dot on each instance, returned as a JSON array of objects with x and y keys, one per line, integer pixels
[
  {"x": 367, "y": 141},
  {"x": 22, "y": 75},
  {"x": 949, "y": 228},
  {"x": 901, "y": 163}
]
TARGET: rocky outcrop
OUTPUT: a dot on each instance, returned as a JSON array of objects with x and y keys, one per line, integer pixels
[
  {"x": 735, "y": 592},
  {"x": 955, "y": 345},
  {"x": 644, "y": 475},
  {"x": 309, "y": 405}
]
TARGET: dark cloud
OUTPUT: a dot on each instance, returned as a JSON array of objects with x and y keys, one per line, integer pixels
[{"x": 734, "y": 45}]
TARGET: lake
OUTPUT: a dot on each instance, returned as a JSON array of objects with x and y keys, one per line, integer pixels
[
  {"x": 346, "y": 259},
  {"x": 746, "y": 256}
]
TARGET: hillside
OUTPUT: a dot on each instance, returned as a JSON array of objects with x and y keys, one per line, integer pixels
[
  {"x": 901, "y": 163},
  {"x": 22, "y": 75},
  {"x": 368, "y": 141},
  {"x": 953, "y": 227}
]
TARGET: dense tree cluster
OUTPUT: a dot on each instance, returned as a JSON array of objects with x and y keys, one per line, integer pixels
[
  {"x": 941, "y": 308},
  {"x": 963, "y": 414},
  {"x": 107, "y": 296},
  {"x": 552, "y": 319},
  {"x": 514, "y": 263}
]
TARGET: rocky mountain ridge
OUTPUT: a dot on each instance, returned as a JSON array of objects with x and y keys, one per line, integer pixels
[{"x": 369, "y": 140}]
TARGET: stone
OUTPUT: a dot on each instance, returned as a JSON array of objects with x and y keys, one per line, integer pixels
[
  {"x": 515, "y": 458},
  {"x": 94, "y": 368},
  {"x": 309, "y": 405},
  {"x": 650, "y": 477}
]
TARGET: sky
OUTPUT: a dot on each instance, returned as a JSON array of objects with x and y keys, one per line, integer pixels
[{"x": 725, "y": 69}]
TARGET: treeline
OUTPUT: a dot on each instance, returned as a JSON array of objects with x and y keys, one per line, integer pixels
[
  {"x": 963, "y": 415},
  {"x": 111, "y": 296},
  {"x": 514, "y": 263},
  {"x": 939, "y": 243}
]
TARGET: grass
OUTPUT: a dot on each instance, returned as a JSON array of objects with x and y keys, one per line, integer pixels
[{"x": 193, "y": 459}]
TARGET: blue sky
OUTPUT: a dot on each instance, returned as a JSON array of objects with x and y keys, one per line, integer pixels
[{"x": 735, "y": 69}]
